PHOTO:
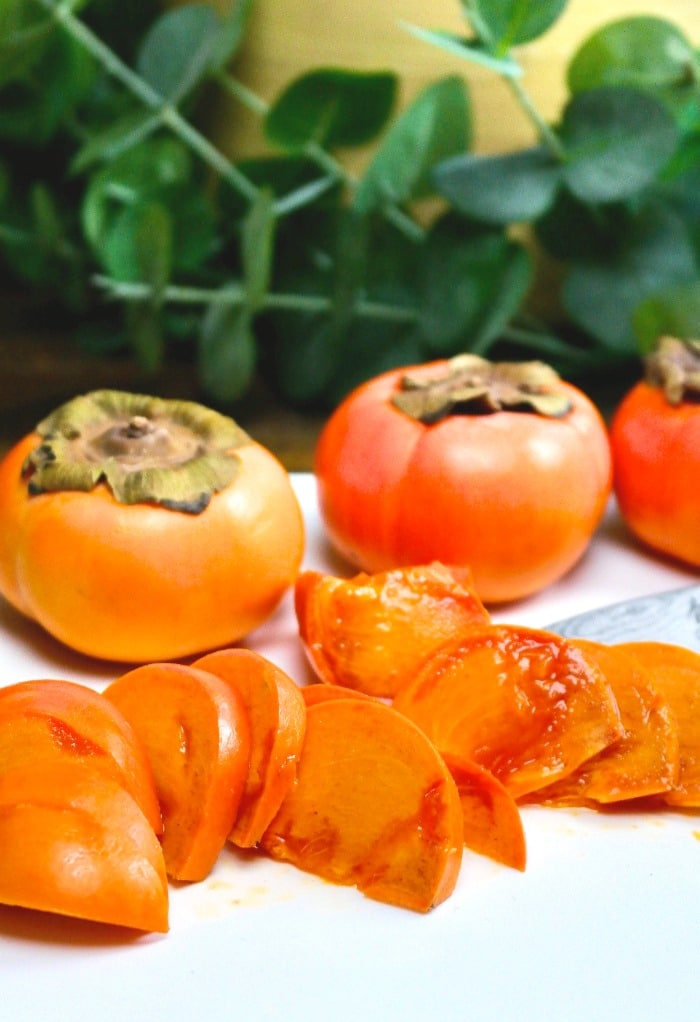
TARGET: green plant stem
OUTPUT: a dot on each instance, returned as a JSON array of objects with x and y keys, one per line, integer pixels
[
  {"x": 547, "y": 345},
  {"x": 169, "y": 114},
  {"x": 548, "y": 137},
  {"x": 235, "y": 295},
  {"x": 320, "y": 156},
  {"x": 545, "y": 133}
]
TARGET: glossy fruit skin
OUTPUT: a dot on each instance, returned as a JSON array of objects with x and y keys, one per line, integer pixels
[
  {"x": 139, "y": 582},
  {"x": 656, "y": 458},
  {"x": 514, "y": 496}
]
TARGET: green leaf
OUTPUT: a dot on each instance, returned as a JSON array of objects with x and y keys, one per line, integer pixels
[
  {"x": 506, "y": 23},
  {"x": 617, "y": 141},
  {"x": 642, "y": 51},
  {"x": 467, "y": 49},
  {"x": 177, "y": 51},
  {"x": 231, "y": 33},
  {"x": 674, "y": 311},
  {"x": 350, "y": 266},
  {"x": 500, "y": 189},
  {"x": 473, "y": 281},
  {"x": 257, "y": 248},
  {"x": 435, "y": 126},
  {"x": 304, "y": 355},
  {"x": 144, "y": 331},
  {"x": 601, "y": 295},
  {"x": 138, "y": 174},
  {"x": 571, "y": 230},
  {"x": 227, "y": 355},
  {"x": 331, "y": 108},
  {"x": 123, "y": 133},
  {"x": 32, "y": 113},
  {"x": 139, "y": 246},
  {"x": 24, "y": 31}
]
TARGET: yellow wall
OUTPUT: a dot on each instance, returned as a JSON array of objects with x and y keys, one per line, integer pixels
[{"x": 287, "y": 37}]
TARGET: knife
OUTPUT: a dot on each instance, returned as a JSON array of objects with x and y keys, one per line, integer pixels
[{"x": 673, "y": 616}]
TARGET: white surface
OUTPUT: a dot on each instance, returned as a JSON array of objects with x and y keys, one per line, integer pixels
[{"x": 603, "y": 925}]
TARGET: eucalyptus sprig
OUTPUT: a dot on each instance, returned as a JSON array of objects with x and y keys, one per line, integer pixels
[{"x": 115, "y": 199}]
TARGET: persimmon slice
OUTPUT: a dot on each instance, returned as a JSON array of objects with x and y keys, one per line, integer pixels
[
  {"x": 524, "y": 703},
  {"x": 373, "y": 806},
  {"x": 313, "y": 694},
  {"x": 277, "y": 716},
  {"x": 196, "y": 734},
  {"x": 491, "y": 818},
  {"x": 369, "y": 632},
  {"x": 645, "y": 761},
  {"x": 45, "y": 720},
  {"x": 675, "y": 673},
  {"x": 73, "y": 841}
]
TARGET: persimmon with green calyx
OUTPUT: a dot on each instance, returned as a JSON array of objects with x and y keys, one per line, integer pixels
[
  {"x": 196, "y": 733},
  {"x": 137, "y": 529},
  {"x": 74, "y": 842},
  {"x": 655, "y": 439},
  {"x": 373, "y": 805},
  {"x": 53, "y": 721},
  {"x": 504, "y": 468},
  {"x": 370, "y": 632}
]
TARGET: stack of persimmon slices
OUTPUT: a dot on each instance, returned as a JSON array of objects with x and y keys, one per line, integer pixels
[
  {"x": 429, "y": 729},
  {"x": 551, "y": 720}
]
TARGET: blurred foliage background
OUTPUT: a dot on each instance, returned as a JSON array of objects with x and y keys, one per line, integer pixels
[{"x": 257, "y": 192}]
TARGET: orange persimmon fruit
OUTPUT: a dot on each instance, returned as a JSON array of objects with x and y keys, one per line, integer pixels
[
  {"x": 675, "y": 673},
  {"x": 277, "y": 715},
  {"x": 373, "y": 806},
  {"x": 49, "y": 720},
  {"x": 501, "y": 467},
  {"x": 524, "y": 703},
  {"x": 644, "y": 761},
  {"x": 73, "y": 841},
  {"x": 370, "y": 632},
  {"x": 137, "y": 529},
  {"x": 491, "y": 818},
  {"x": 197, "y": 737},
  {"x": 655, "y": 442}
]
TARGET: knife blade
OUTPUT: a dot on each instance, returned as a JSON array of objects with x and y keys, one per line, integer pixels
[{"x": 672, "y": 616}]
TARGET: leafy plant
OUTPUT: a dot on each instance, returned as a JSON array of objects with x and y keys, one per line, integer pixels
[{"x": 115, "y": 201}]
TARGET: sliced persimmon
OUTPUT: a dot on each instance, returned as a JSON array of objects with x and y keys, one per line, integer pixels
[
  {"x": 277, "y": 715},
  {"x": 73, "y": 841},
  {"x": 313, "y": 694},
  {"x": 45, "y": 719},
  {"x": 197, "y": 737},
  {"x": 675, "y": 672},
  {"x": 644, "y": 762},
  {"x": 524, "y": 703},
  {"x": 491, "y": 818},
  {"x": 373, "y": 805},
  {"x": 370, "y": 632}
]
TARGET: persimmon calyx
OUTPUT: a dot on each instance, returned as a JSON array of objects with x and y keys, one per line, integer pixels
[
  {"x": 471, "y": 385},
  {"x": 675, "y": 367},
  {"x": 176, "y": 454}
]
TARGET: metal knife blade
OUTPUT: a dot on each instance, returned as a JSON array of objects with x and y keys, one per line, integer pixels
[{"x": 673, "y": 616}]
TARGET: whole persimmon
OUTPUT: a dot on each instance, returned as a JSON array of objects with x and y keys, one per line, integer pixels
[
  {"x": 134, "y": 528},
  {"x": 503, "y": 468},
  {"x": 655, "y": 438}
]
